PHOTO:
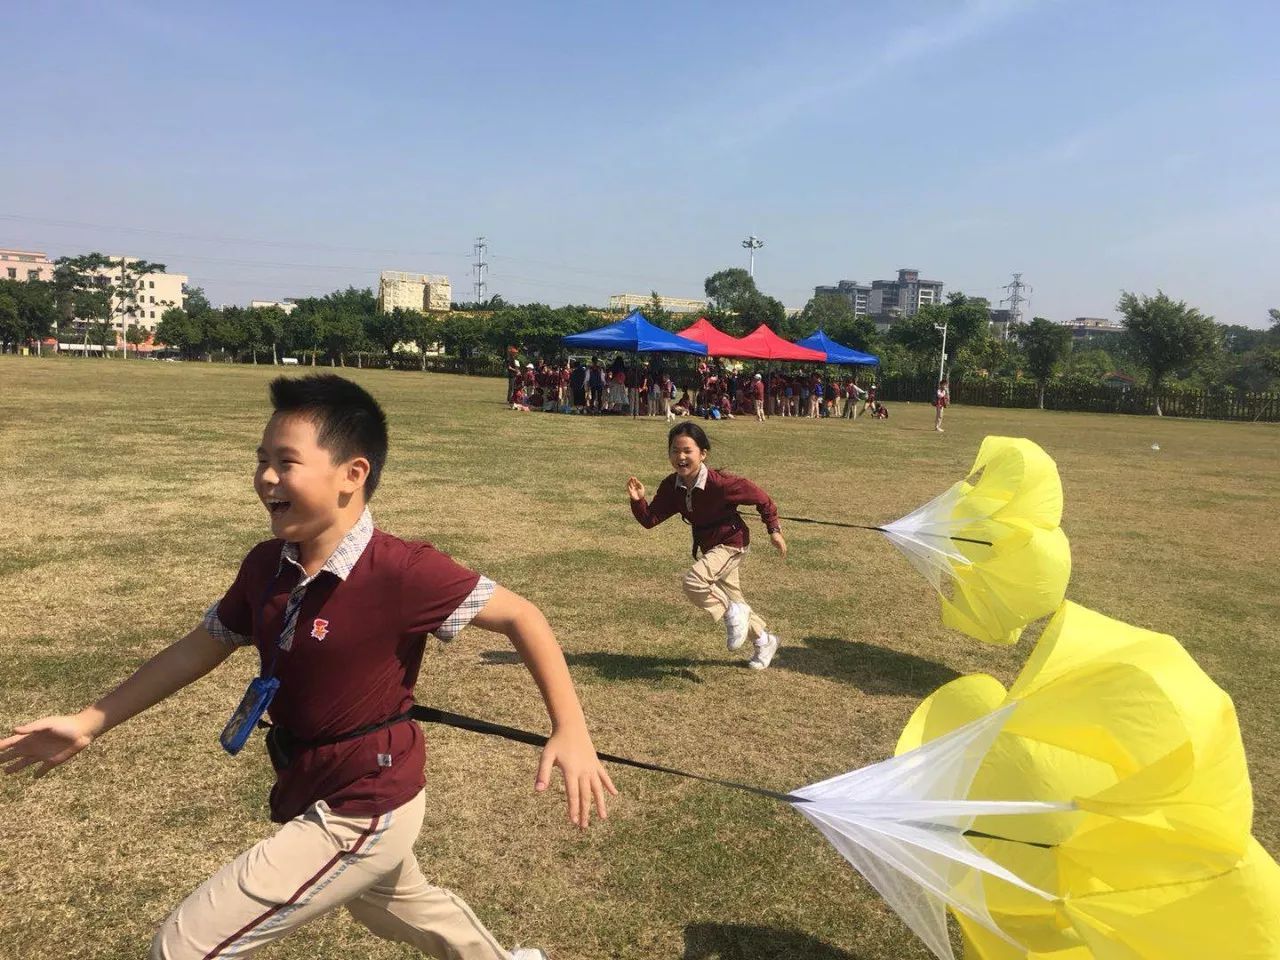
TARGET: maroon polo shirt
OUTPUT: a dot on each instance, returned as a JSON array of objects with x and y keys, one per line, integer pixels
[
  {"x": 712, "y": 511},
  {"x": 357, "y": 668}
]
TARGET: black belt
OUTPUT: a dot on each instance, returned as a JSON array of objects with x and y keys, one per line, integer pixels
[{"x": 282, "y": 745}]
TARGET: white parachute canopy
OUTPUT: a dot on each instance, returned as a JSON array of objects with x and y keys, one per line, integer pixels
[{"x": 901, "y": 823}]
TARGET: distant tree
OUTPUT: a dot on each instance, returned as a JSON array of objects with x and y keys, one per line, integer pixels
[
  {"x": 10, "y": 326},
  {"x": 423, "y": 329},
  {"x": 1090, "y": 362},
  {"x": 762, "y": 308},
  {"x": 537, "y": 328},
  {"x": 82, "y": 291},
  {"x": 827, "y": 312},
  {"x": 1045, "y": 345},
  {"x": 342, "y": 332},
  {"x": 385, "y": 330},
  {"x": 126, "y": 283},
  {"x": 834, "y": 315},
  {"x": 135, "y": 335},
  {"x": 302, "y": 328},
  {"x": 990, "y": 357},
  {"x": 966, "y": 318},
  {"x": 729, "y": 290},
  {"x": 658, "y": 315},
  {"x": 177, "y": 329},
  {"x": 1167, "y": 336},
  {"x": 463, "y": 336},
  {"x": 195, "y": 302},
  {"x": 27, "y": 312},
  {"x": 266, "y": 331}
]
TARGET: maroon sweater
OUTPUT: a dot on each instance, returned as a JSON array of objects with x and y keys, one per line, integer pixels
[{"x": 714, "y": 515}]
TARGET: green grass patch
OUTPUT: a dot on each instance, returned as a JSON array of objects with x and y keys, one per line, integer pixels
[{"x": 128, "y": 507}]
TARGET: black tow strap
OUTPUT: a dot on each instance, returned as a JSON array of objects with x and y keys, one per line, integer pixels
[
  {"x": 863, "y": 526},
  {"x": 475, "y": 725},
  {"x": 433, "y": 715}
]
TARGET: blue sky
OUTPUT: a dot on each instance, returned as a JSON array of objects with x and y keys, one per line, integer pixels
[{"x": 273, "y": 150}]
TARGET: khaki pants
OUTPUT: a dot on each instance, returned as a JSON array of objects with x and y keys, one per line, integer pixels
[
  {"x": 712, "y": 584},
  {"x": 315, "y": 863}
]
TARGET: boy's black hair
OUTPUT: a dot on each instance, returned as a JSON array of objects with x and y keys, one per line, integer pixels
[
  {"x": 692, "y": 431},
  {"x": 349, "y": 422}
]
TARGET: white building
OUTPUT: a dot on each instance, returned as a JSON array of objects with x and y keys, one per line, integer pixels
[
  {"x": 142, "y": 299},
  {"x": 1086, "y": 328},
  {"x": 25, "y": 265},
  {"x": 634, "y": 301},
  {"x": 286, "y": 305},
  {"x": 422, "y": 292}
]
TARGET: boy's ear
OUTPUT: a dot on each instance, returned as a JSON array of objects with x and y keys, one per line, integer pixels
[{"x": 354, "y": 473}]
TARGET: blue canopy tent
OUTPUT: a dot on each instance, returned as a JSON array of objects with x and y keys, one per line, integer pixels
[
  {"x": 836, "y": 352},
  {"x": 634, "y": 334}
]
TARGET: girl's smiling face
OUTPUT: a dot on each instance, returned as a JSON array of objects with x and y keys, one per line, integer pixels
[{"x": 686, "y": 457}]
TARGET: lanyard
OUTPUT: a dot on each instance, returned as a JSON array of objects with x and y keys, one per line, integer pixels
[{"x": 270, "y": 668}]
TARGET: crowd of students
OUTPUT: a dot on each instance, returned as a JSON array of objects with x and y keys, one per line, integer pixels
[{"x": 711, "y": 390}]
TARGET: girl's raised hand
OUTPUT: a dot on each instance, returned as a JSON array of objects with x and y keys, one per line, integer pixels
[{"x": 635, "y": 489}]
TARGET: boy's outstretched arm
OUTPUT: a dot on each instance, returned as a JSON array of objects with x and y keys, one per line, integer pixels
[
  {"x": 54, "y": 740},
  {"x": 570, "y": 746}
]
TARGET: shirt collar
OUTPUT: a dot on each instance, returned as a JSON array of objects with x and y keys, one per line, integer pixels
[
  {"x": 699, "y": 483},
  {"x": 343, "y": 559}
]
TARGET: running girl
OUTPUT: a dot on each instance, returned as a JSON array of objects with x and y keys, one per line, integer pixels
[{"x": 707, "y": 500}]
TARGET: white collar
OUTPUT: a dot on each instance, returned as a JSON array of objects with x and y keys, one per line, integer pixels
[{"x": 699, "y": 483}]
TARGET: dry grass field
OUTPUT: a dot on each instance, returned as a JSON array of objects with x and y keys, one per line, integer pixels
[{"x": 128, "y": 504}]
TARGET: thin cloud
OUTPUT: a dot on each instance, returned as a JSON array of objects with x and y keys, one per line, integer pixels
[{"x": 832, "y": 82}]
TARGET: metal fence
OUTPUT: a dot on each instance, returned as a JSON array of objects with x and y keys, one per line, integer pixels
[{"x": 1199, "y": 404}]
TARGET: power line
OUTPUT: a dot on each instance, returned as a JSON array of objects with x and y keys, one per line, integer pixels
[{"x": 408, "y": 254}]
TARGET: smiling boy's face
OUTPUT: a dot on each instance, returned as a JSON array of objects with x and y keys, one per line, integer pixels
[{"x": 298, "y": 482}]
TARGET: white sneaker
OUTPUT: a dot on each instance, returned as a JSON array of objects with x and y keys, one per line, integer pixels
[
  {"x": 736, "y": 621},
  {"x": 527, "y": 953},
  {"x": 764, "y": 652}
]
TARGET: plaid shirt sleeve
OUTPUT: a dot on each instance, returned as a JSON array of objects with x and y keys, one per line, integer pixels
[
  {"x": 466, "y": 611},
  {"x": 214, "y": 625}
]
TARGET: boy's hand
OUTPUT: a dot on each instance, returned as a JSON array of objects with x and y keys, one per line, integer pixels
[
  {"x": 48, "y": 742},
  {"x": 584, "y": 774},
  {"x": 776, "y": 539},
  {"x": 635, "y": 489}
]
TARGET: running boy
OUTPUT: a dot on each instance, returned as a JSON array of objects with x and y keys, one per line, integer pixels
[
  {"x": 339, "y": 612},
  {"x": 707, "y": 500}
]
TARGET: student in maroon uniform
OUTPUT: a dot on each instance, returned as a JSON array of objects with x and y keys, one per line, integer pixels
[
  {"x": 707, "y": 500},
  {"x": 757, "y": 396},
  {"x": 338, "y": 612}
]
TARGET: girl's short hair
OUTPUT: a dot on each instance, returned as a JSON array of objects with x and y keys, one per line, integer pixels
[{"x": 693, "y": 432}]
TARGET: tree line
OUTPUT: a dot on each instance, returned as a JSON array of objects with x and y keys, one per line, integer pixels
[{"x": 1165, "y": 342}]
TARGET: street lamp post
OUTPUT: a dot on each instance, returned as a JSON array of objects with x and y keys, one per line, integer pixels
[
  {"x": 942, "y": 364},
  {"x": 753, "y": 243}
]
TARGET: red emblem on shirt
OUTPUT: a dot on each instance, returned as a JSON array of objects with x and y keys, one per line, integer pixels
[{"x": 320, "y": 628}]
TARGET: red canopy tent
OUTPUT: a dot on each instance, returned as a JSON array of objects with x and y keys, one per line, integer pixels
[
  {"x": 767, "y": 345},
  {"x": 720, "y": 344}
]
